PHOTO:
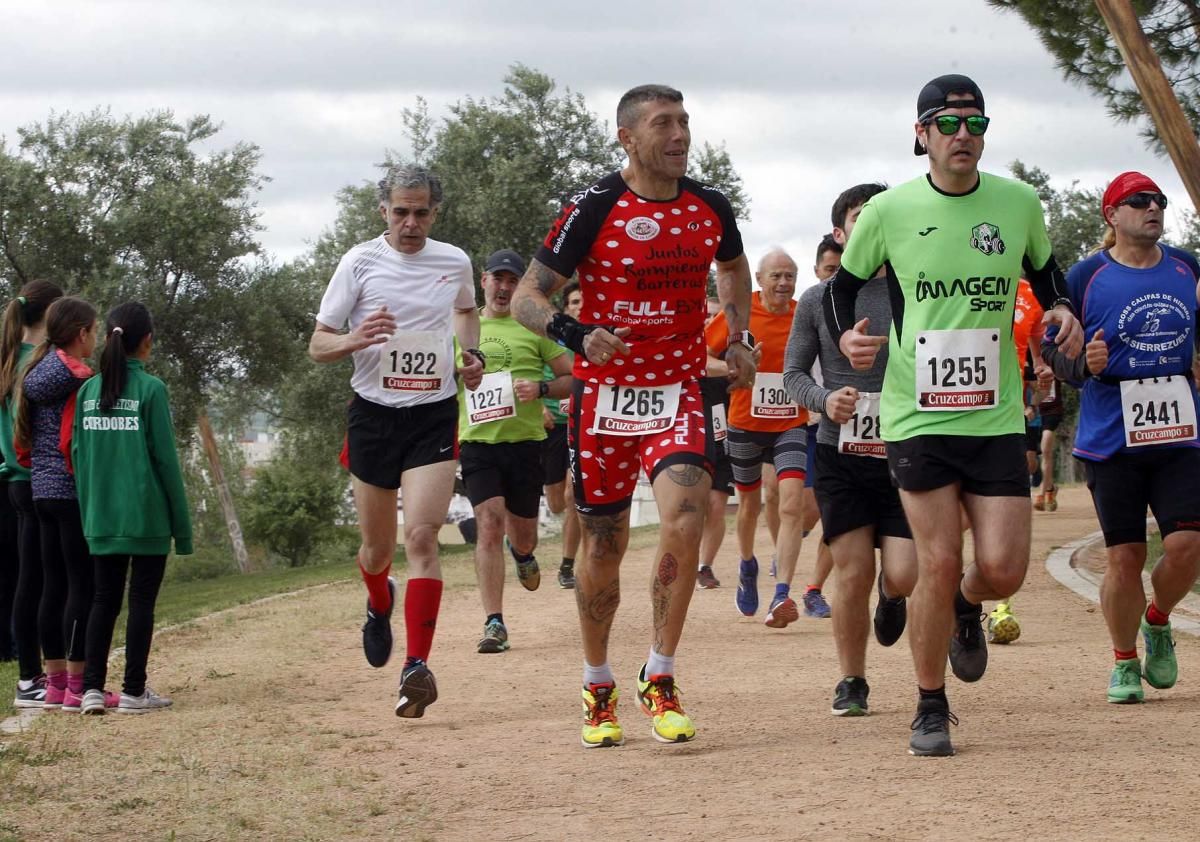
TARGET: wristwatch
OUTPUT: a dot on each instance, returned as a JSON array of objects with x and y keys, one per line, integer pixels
[
  {"x": 742, "y": 337},
  {"x": 543, "y": 388}
]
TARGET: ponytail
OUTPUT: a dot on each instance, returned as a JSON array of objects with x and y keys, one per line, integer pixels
[
  {"x": 26, "y": 310},
  {"x": 128, "y": 325},
  {"x": 64, "y": 319}
]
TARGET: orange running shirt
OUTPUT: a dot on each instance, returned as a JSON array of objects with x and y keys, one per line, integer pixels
[
  {"x": 1027, "y": 320},
  {"x": 770, "y": 331}
]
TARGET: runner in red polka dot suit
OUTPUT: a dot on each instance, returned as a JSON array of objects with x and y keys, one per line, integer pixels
[{"x": 642, "y": 242}]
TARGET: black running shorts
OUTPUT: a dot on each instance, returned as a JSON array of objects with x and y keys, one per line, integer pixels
[
  {"x": 1033, "y": 437},
  {"x": 554, "y": 455},
  {"x": 1051, "y": 420},
  {"x": 511, "y": 470},
  {"x": 856, "y": 491},
  {"x": 1165, "y": 479},
  {"x": 722, "y": 469},
  {"x": 383, "y": 442},
  {"x": 989, "y": 466}
]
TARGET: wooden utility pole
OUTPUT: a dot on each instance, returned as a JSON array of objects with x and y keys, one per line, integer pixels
[
  {"x": 1177, "y": 134},
  {"x": 218, "y": 475}
]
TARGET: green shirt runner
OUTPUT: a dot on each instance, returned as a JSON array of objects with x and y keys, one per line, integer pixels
[
  {"x": 508, "y": 347},
  {"x": 953, "y": 265}
]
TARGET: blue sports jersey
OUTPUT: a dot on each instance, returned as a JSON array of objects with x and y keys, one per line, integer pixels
[{"x": 1149, "y": 321}]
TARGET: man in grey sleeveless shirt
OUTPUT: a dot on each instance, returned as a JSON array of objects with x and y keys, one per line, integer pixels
[{"x": 860, "y": 508}]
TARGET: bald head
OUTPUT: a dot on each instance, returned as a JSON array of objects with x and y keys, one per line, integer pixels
[
  {"x": 776, "y": 277},
  {"x": 775, "y": 256}
]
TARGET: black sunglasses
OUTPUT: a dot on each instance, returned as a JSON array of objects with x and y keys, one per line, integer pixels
[
  {"x": 948, "y": 124},
  {"x": 1141, "y": 201}
]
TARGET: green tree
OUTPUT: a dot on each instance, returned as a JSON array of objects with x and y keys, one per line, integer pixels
[
  {"x": 294, "y": 505},
  {"x": 1073, "y": 217},
  {"x": 1075, "y": 34},
  {"x": 508, "y": 162},
  {"x": 508, "y": 165},
  {"x": 145, "y": 208},
  {"x": 712, "y": 165}
]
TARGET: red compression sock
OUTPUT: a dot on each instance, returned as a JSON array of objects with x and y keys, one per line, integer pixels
[
  {"x": 422, "y": 599},
  {"x": 377, "y": 589},
  {"x": 1131, "y": 655},
  {"x": 1155, "y": 617}
]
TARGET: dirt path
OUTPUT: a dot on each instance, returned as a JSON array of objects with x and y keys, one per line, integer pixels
[{"x": 281, "y": 731}]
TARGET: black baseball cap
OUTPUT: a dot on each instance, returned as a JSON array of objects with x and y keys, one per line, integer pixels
[
  {"x": 505, "y": 260},
  {"x": 932, "y": 99}
]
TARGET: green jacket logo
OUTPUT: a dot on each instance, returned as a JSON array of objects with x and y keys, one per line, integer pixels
[{"x": 985, "y": 237}]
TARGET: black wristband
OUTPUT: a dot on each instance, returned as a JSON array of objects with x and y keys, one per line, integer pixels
[
  {"x": 477, "y": 354},
  {"x": 569, "y": 333},
  {"x": 543, "y": 388}
]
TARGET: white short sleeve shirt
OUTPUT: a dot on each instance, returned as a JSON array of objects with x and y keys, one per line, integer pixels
[{"x": 422, "y": 291}]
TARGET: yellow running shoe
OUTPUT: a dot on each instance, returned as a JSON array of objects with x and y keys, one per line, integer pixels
[
  {"x": 1002, "y": 624},
  {"x": 600, "y": 726},
  {"x": 661, "y": 701}
]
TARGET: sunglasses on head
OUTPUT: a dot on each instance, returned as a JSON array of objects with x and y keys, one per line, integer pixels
[
  {"x": 1141, "y": 201},
  {"x": 948, "y": 124}
]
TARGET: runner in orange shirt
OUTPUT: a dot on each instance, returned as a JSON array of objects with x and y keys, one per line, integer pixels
[
  {"x": 767, "y": 427},
  {"x": 1028, "y": 331}
]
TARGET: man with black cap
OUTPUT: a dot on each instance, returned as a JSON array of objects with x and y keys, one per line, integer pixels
[
  {"x": 1137, "y": 424},
  {"x": 953, "y": 243},
  {"x": 500, "y": 429}
]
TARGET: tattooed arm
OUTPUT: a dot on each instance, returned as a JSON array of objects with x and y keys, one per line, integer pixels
[
  {"x": 532, "y": 308},
  {"x": 531, "y": 302},
  {"x": 733, "y": 291}
]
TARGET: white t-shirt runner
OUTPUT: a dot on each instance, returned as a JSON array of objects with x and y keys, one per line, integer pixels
[{"x": 422, "y": 292}]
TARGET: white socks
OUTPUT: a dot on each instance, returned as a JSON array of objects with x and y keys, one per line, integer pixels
[
  {"x": 602, "y": 674},
  {"x": 659, "y": 664}
]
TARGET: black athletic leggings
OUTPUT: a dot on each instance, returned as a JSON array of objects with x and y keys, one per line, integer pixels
[
  {"x": 67, "y": 580},
  {"x": 144, "y": 583},
  {"x": 29, "y": 581},
  {"x": 10, "y": 567}
]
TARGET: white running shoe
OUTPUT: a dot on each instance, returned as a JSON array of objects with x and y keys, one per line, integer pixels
[{"x": 148, "y": 701}]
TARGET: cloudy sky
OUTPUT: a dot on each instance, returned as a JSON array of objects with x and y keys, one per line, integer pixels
[{"x": 809, "y": 97}]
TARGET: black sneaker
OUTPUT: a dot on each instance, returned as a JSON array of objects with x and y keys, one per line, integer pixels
[
  {"x": 566, "y": 578},
  {"x": 931, "y": 730},
  {"x": 968, "y": 647},
  {"x": 528, "y": 573},
  {"x": 890, "y": 616},
  {"x": 31, "y": 696},
  {"x": 850, "y": 697},
  {"x": 418, "y": 691},
  {"x": 377, "y": 631}
]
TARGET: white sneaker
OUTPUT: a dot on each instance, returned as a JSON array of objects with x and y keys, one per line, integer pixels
[
  {"x": 93, "y": 703},
  {"x": 148, "y": 701}
]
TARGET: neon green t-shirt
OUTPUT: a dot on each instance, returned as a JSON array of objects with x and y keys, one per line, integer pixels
[
  {"x": 955, "y": 262},
  {"x": 508, "y": 347}
]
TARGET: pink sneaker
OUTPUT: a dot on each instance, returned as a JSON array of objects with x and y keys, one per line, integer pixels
[
  {"x": 54, "y": 697},
  {"x": 72, "y": 702}
]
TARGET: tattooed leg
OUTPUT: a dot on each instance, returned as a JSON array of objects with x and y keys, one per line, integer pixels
[
  {"x": 681, "y": 492},
  {"x": 597, "y": 580}
]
